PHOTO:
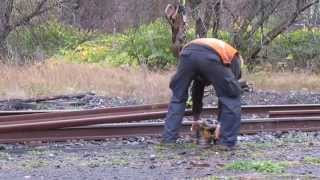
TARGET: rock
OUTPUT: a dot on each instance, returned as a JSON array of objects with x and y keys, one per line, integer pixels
[
  {"x": 52, "y": 155},
  {"x": 182, "y": 152},
  {"x": 152, "y": 166},
  {"x": 93, "y": 165},
  {"x": 134, "y": 143},
  {"x": 27, "y": 177},
  {"x": 132, "y": 139},
  {"x": 220, "y": 165},
  {"x": 151, "y": 141},
  {"x": 180, "y": 162},
  {"x": 86, "y": 155},
  {"x": 152, "y": 157},
  {"x": 199, "y": 163},
  {"x": 35, "y": 143}
]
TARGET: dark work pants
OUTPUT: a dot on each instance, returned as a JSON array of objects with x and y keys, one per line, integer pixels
[{"x": 195, "y": 61}]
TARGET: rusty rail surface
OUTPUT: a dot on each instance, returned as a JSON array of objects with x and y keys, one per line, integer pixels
[
  {"x": 294, "y": 113},
  {"x": 100, "y": 132},
  {"x": 72, "y": 113},
  {"x": 245, "y": 109},
  {"x": 46, "y": 121},
  {"x": 16, "y": 113},
  {"x": 62, "y": 125}
]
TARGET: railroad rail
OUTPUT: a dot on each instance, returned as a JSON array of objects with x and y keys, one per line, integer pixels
[{"x": 125, "y": 121}]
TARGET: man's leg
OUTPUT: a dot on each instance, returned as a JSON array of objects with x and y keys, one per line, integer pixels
[
  {"x": 228, "y": 92},
  {"x": 179, "y": 86},
  {"x": 230, "y": 120}
]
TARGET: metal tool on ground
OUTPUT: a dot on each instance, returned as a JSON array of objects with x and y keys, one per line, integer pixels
[{"x": 209, "y": 131}]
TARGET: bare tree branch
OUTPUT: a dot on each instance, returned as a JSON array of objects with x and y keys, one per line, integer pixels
[
  {"x": 281, "y": 27},
  {"x": 41, "y": 8},
  {"x": 270, "y": 9},
  {"x": 37, "y": 11},
  {"x": 8, "y": 12}
]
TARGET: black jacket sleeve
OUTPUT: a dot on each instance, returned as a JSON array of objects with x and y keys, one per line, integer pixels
[{"x": 236, "y": 67}]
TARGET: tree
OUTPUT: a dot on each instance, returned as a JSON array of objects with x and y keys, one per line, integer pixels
[
  {"x": 256, "y": 16},
  {"x": 207, "y": 17},
  {"x": 176, "y": 16},
  {"x": 14, "y": 14},
  {"x": 265, "y": 19}
]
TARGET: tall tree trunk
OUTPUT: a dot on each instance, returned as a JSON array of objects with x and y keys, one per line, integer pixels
[
  {"x": 3, "y": 47},
  {"x": 176, "y": 16},
  {"x": 5, "y": 12},
  {"x": 201, "y": 29},
  {"x": 216, "y": 18}
]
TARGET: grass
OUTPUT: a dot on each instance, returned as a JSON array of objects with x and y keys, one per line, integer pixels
[
  {"x": 312, "y": 160},
  {"x": 258, "y": 177},
  {"x": 59, "y": 77},
  {"x": 56, "y": 77},
  {"x": 285, "y": 81},
  {"x": 256, "y": 166},
  {"x": 35, "y": 163}
]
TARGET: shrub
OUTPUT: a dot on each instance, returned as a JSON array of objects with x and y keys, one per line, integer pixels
[
  {"x": 49, "y": 37},
  {"x": 147, "y": 45},
  {"x": 299, "y": 48},
  {"x": 150, "y": 45},
  {"x": 298, "y": 44}
]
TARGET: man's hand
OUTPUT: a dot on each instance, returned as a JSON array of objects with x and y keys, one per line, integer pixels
[
  {"x": 245, "y": 87},
  {"x": 196, "y": 123},
  {"x": 217, "y": 133}
]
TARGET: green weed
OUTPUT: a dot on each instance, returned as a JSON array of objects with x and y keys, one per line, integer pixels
[
  {"x": 312, "y": 160},
  {"x": 257, "y": 166},
  {"x": 35, "y": 163}
]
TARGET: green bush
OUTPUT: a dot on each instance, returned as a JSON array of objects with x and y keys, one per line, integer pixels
[
  {"x": 147, "y": 45},
  {"x": 297, "y": 45},
  {"x": 299, "y": 49},
  {"x": 49, "y": 37}
]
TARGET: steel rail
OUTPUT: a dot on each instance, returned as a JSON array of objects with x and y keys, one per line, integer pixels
[
  {"x": 56, "y": 113},
  {"x": 16, "y": 113},
  {"x": 143, "y": 108},
  {"x": 70, "y": 113},
  {"x": 100, "y": 132},
  {"x": 115, "y": 115},
  {"x": 294, "y": 113},
  {"x": 47, "y": 124}
]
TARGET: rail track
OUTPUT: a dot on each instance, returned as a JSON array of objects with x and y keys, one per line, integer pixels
[{"x": 23, "y": 126}]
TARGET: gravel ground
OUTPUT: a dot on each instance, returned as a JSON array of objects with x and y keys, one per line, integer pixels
[
  {"x": 90, "y": 101},
  {"x": 293, "y": 155},
  {"x": 145, "y": 158}
]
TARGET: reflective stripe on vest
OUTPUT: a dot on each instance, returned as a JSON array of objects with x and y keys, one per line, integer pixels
[{"x": 225, "y": 51}]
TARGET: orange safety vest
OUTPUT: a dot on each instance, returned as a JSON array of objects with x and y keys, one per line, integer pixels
[{"x": 223, "y": 49}]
